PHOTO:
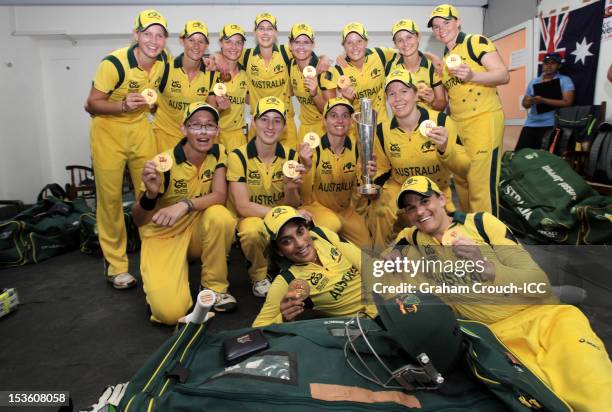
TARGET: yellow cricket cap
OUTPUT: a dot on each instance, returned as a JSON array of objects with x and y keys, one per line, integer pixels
[
  {"x": 196, "y": 107},
  {"x": 147, "y": 18},
  {"x": 277, "y": 217},
  {"x": 231, "y": 29},
  {"x": 446, "y": 11},
  {"x": 417, "y": 184},
  {"x": 265, "y": 104},
  {"x": 354, "y": 27}
]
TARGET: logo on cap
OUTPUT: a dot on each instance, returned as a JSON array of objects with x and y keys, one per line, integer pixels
[
  {"x": 408, "y": 304},
  {"x": 278, "y": 211}
]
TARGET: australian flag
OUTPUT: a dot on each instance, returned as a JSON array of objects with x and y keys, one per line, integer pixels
[{"x": 576, "y": 36}]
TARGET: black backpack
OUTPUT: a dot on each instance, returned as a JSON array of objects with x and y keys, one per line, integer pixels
[
  {"x": 575, "y": 127},
  {"x": 599, "y": 166}
]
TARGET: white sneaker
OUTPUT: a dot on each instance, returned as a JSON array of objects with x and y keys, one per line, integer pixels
[
  {"x": 225, "y": 303},
  {"x": 261, "y": 287},
  {"x": 122, "y": 281}
]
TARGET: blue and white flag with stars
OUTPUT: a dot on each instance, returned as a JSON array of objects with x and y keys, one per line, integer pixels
[{"x": 574, "y": 33}]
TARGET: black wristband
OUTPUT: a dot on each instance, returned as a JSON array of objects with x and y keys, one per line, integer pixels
[{"x": 146, "y": 203}]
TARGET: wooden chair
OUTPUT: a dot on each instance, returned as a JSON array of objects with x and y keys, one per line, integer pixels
[{"x": 82, "y": 182}]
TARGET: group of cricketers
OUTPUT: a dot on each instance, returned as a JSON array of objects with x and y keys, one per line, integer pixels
[{"x": 289, "y": 194}]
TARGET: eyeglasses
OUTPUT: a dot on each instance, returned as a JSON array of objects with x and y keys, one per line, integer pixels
[{"x": 203, "y": 128}]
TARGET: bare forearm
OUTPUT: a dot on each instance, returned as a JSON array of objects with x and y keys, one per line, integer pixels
[
  {"x": 292, "y": 198},
  {"x": 491, "y": 78},
  {"x": 206, "y": 201},
  {"x": 105, "y": 107},
  {"x": 555, "y": 102},
  {"x": 250, "y": 209}
]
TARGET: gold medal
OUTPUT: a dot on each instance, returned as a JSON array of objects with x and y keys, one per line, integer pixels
[
  {"x": 453, "y": 60},
  {"x": 344, "y": 82},
  {"x": 309, "y": 71},
  {"x": 290, "y": 169},
  {"x": 300, "y": 287},
  {"x": 150, "y": 96},
  {"x": 451, "y": 235},
  {"x": 312, "y": 139},
  {"x": 163, "y": 162},
  {"x": 426, "y": 126},
  {"x": 219, "y": 89}
]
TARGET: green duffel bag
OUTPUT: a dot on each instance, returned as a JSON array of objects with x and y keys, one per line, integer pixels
[
  {"x": 326, "y": 364},
  {"x": 12, "y": 247},
  {"x": 594, "y": 215},
  {"x": 47, "y": 229},
  {"x": 89, "y": 242},
  {"x": 537, "y": 192}
]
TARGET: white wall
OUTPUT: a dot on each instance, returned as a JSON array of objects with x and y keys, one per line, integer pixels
[
  {"x": 23, "y": 135},
  {"x": 503, "y": 14},
  {"x": 55, "y": 51}
]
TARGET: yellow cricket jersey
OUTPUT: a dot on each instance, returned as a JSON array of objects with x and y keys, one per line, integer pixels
[
  {"x": 369, "y": 81},
  {"x": 332, "y": 178},
  {"x": 264, "y": 183},
  {"x": 177, "y": 92},
  {"x": 426, "y": 72},
  {"x": 498, "y": 245},
  {"x": 271, "y": 79},
  {"x": 309, "y": 114},
  {"x": 118, "y": 74},
  {"x": 335, "y": 287},
  {"x": 470, "y": 99},
  {"x": 237, "y": 88},
  {"x": 404, "y": 153},
  {"x": 184, "y": 181}
]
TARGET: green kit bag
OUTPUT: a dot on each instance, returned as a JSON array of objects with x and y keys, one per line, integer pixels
[
  {"x": 537, "y": 192},
  {"x": 89, "y": 242},
  {"x": 313, "y": 365},
  {"x": 594, "y": 216},
  {"x": 47, "y": 229}
]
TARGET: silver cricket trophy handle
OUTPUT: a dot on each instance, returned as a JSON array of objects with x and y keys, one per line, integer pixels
[{"x": 366, "y": 128}]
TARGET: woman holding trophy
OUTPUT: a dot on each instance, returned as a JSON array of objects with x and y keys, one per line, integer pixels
[{"x": 328, "y": 189}]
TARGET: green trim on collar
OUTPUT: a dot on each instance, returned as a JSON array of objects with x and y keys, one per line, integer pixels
[
  {"x": 257, "y": 50},
  {"x": 131, "y": 56},
  {"x": 325, "y": 144},
  {"x": 179, "y": 152},
  {"x": 459, "y": 217},
  {"x": 394, "y": 124},
  {"x": 424, "y": 62},
  {"x": 252, "y": 150},
  {"x": 460, "y": 39},
  {"x": 178, "y": 63}
]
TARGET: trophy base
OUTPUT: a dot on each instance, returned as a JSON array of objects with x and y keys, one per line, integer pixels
[{"x": 369, "y": 189}]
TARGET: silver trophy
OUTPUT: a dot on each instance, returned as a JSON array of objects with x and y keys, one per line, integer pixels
[{"x": 366, "y": 128}]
